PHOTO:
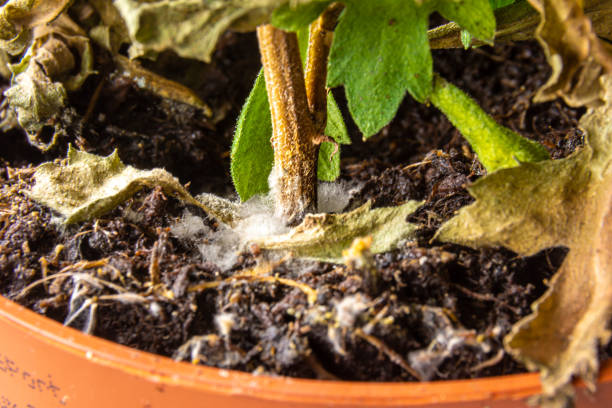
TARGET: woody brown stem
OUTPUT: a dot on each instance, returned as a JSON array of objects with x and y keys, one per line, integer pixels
[
  {"x": 293, "y": 181},
  {"x": 319, "y": 43}
]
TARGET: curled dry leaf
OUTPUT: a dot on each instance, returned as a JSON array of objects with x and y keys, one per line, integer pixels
[
  {"x": 36, "y": 99},
  {"x": 17, "y": 17},
  {"x": 189, "y": 27},
  {"x": 159, "y": 85},
  {"x": 87, "y": 186},
  {"x": 324, "y": 236},
  {"x": 534, "y": 206},
  {"x": 577, "y": 56},
  {"x": 55, "y": 45}
]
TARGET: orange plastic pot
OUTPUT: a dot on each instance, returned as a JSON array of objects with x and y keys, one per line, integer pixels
[{"x": 46, "y": 365}]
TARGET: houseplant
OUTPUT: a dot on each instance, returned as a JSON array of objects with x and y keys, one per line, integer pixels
[{"x": 154, "y": 280}]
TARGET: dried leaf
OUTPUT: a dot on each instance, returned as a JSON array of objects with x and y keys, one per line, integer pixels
[
  {"x": 36, "y": 99},
  {"x": 17, "y": 17},
  {"x": 47, "y": 70},
  {"x": 159, "y": 85},
  {"x": 534, "y": 206},
  {"x": 112, "y": 32},
  {"x": 87, "y": 186},
  {"x": 325, "y": 236},
  {"x": 189, "y": 27},
  {"x": 577, "y": 56}
]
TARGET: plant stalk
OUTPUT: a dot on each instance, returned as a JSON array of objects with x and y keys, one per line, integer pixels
[
  {"x": 518, "y": 22},
  {"x": 319, "y": 44},
  {"x": 293, "y": 179},
  {"x": 298, "y": 106}
]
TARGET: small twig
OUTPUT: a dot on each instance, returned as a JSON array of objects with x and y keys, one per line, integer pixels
[
  {"x": 154, "y": 263},
  {"x": 418, "y": 164},
  {"x": 257, "y": 275},
  {"x": 393, "y": 356},
  {"x": 93, "y": 101},
  {"x": 490, "y": 362},
  {"x": 484, "y": 297},
  {"x": 69, "y": 272},
  {"x": 316, "y": 366}
]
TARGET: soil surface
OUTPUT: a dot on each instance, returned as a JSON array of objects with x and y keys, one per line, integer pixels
[{"x": 436, "y": 312}]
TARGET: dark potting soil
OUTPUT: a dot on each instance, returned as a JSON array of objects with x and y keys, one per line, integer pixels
[{"x": 438, "y": 312}]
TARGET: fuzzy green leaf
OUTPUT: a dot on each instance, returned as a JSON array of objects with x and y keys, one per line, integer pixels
[
  {"x": 292, "y": 18},
  {"x": 252, "y": 155},
  {"x": 87, "y": 186},
  {"x": 495, "y": 4},
  {"x": 497, "y": 146},
  {"x": 324, "y": 236},
  {"x": 328, "y": 168},
  {"x": 381, "y": 49}
]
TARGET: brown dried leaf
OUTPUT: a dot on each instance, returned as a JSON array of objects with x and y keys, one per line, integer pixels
[
  {"x": 577, "y": 56},
  {"x": 191, "y": 28},
  {"x": 17, "y": 17},
  {"x": 159, "y": 85},
  {"x": 538, "y": 205},
  {"x": 55, "y": 45}
]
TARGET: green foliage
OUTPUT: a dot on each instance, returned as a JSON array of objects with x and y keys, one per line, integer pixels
[
  {"x": 252, "y": 155},
  {"x": 381, "y": 49},
  {"x": 291, "y": 18},
  {"x": 329, "y": 154},
  {"x": 497, "y": 146},
  {"x": 495, "y": 4}
]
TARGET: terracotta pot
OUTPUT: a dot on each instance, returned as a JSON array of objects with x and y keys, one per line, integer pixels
[{"x": 46, "y": 365}]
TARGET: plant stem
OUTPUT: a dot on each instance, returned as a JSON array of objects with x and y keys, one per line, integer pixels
[
  {"x": 517, "y": 22},
  {"x": 319, "y": 44},
  {"x": 298, "y": 106},
  {"x": 497, "y": 146},
  {"x": 293, "y": 179}
]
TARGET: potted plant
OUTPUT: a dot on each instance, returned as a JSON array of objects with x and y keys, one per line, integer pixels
[{"x": 525, "y": 202}]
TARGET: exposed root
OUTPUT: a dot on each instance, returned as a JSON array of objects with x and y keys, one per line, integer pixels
[
  {"x": 391, "y": 354},
  {"x": 68, "y": 272},
  {"x": 257, "y": 274}
]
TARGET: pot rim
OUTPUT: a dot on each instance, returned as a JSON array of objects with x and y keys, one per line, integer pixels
[{"x": 166, "y": 371}]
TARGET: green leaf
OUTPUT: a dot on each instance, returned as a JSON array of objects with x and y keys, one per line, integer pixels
[
  {"x": 497, "y": 146},
  {"x": 87, "y": 186},
  {"x": 252, "y": 155},
  {"x": 324, "y": 236},
  {"x": 329, "y": 162},
  {"x": 289, "y": 17},
  {"x": 381, "y": 49},
  {"x": 466, "y": 39},
  {"x": 495, "y": 4}
]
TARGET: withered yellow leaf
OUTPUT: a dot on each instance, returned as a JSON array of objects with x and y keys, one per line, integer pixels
[
  {"x": 325, "y": 236},
  {"x": 577, "y": 56},
  {"x": 87, "y": 186},
  {"x": 189, "y": 27},
  {"x": 534, "y": 206}
]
